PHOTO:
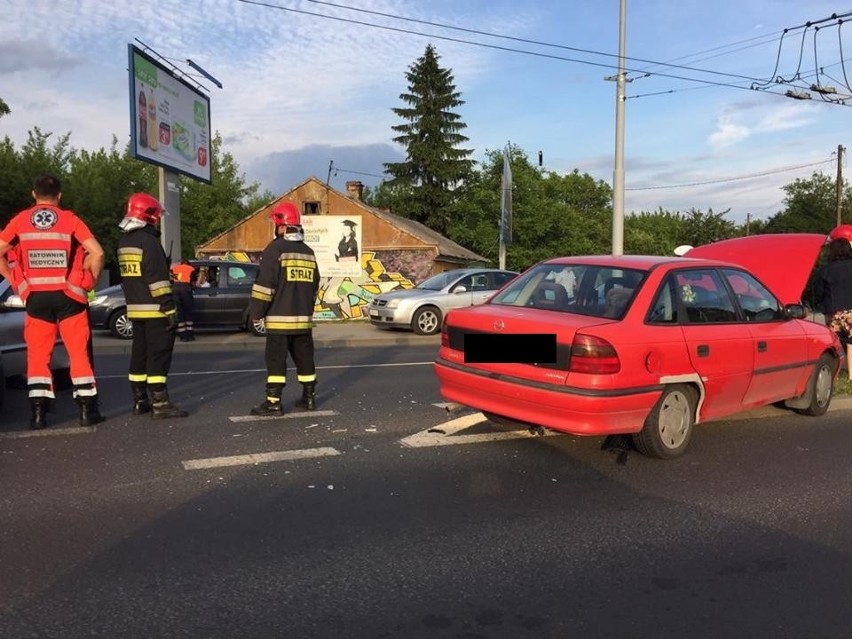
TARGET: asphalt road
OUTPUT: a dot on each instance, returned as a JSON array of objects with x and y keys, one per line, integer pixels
[{"x": 357, "y": 521}]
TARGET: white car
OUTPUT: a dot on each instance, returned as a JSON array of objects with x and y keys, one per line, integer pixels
[
  {"x": 13, "y": 349},
  {"x": 423, "y": 307}
]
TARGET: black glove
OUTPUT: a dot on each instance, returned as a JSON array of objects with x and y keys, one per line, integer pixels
[{"x": 171, "y": 322}]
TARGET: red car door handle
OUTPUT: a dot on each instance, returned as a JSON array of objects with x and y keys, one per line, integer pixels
[
  {"x": 703, "y": 350},
  {"x": 761, "y": 347}
]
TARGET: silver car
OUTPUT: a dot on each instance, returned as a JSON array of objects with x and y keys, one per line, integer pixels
[
  {"x": 423, "y": 307},
  {"x": 13, "y": 349}
]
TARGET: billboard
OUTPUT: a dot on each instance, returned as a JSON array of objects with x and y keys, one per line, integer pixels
[
  {"x": 336, "y": 240},
  {"x": 169, "y": 119}
]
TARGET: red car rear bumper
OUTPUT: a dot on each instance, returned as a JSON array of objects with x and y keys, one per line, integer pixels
[{"x": 563, "y": 408}]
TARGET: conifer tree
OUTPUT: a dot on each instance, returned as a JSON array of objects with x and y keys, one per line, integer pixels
[{"x": 434, "y": 166}]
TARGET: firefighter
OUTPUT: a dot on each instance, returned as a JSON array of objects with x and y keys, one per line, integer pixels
[
  {"x": 283, "y": 296},
  {"x": 182, "y": 276},
  {"x": 150, "y": 306},
  {"x": 58, "y": 261}
]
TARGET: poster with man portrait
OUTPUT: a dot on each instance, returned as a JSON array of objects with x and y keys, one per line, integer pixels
[{"x": 336, "y": 240}]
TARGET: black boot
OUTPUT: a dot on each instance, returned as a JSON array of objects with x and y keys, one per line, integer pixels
[
  {"x": 38, "y": 406},
  {"x": 141, "y": 405},
  {"x": 309, "y": 396},
  {"x": 272, "y": 405},
  {"x": 90, "y": 412},
  {"x": 162, "y": 408}
]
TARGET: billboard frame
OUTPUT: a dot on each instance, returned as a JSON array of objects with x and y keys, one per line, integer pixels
[{"x": 196, "y": 91}]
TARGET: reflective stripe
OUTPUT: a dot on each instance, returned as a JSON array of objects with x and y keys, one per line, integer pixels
[
  {"x": 137, "y": 378},
  {"x": 160, "y": 288},
  {"x": 297, "y": 256},
  {"x": 84, "y": 392},
  {"x": 77, "y": 381},
  {"x": 129, "y": 250},
  {"x": 287, "y": 326},
  {"x": 144, "y": 311},
  {"x": 276, "y": 379},
  {"x": 143, "y": 307},
  {"x": 156, "y": 379},
  {"x": 263, "y": 297},
  {"x": 304, "y": 379},
  {"x": 39, "y": 380},
  {"x": 41, "y": 392},
  {"x": 25, "y": 237},
  {"x": 299, "y": 263},
  {"x": 46, "y": 280},
  {"x": 77, "y": 290},
  {"x": 262, "y": 289},
  {"x": 288, "y": 318}
]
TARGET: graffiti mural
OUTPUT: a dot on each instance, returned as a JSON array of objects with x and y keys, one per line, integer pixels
[{"x": 349, "y": 297}]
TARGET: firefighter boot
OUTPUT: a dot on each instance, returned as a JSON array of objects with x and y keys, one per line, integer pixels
[
  {"x": 272, "y": 405},
  {"x": 162, "y": 408},
  {"x": 90, "y": 412},
  {"x": 38, "y": 406},
  {"x": 309, "y": 396},
  {"x": 141, "y": 405}
]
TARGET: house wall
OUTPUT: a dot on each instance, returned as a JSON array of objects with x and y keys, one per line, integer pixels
[{"x": 390, "y": 257}]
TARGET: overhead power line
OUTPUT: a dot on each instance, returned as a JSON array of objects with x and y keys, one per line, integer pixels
[
  {"x": 730, "y": 179},
  {"x": 539, "y": 54}
]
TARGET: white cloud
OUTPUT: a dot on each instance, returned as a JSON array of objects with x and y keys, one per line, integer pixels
[{"x": 728, "y": 132}]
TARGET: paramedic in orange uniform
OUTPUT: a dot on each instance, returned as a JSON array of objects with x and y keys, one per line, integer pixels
[
  {"x": 182, "y": 276},
  {"x": 53, "y": 281}
]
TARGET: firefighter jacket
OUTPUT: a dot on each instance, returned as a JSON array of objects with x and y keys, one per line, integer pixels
[
  {"x": 145, "y": 275},
  {"x": 286, "y": 287},
  {"x": 48, "y": 252}
]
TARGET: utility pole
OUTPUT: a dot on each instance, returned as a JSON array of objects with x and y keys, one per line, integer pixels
[
  {"x": 618, "y": 172},
  {"x": 839, "y": 186}
]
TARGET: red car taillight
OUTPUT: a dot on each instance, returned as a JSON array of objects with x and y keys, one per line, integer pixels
[
  {"x": 593, "y": 355},
  {"x": 445, "y": 338}
]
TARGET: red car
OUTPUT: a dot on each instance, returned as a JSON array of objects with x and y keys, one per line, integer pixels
[{"x": 647, "y": 346}]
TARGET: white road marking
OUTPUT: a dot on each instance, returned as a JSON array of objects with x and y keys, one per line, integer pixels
[
  {"x": 258, "y": 458},
  {"x": 49, "y": 432},
  {"x": 446, "y": 434},
  {"x": 233, "y": 371},
  {"x": 266, "y": 418}
]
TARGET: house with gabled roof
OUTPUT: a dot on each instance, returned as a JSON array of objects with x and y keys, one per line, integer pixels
[{"x": 362, "y": 250}]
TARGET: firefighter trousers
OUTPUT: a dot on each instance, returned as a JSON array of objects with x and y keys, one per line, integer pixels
[
  {"x": 151, "y": 352},
  {"x": 300, "y": 347},
  {"x": 49, "y": 313},
  {"x": 185, "y": 303}
]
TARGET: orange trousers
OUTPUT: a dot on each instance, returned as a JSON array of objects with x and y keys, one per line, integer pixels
[{"x": 40, "y": 336}]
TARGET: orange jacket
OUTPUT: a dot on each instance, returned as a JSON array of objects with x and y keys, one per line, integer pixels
[
  {"x": 49, "y": 252},
  {"x": 183, "y": 273}
]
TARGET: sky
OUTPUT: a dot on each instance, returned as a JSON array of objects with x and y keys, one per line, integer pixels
[{"x": 308, "y": 87}]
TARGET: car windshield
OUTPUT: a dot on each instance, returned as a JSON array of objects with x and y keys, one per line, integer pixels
[
  {"x": 439, "y": 281},
  {"x": 599, "y": 291}
]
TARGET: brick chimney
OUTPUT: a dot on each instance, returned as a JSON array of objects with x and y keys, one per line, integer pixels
[{"x": 354, "y": 189}]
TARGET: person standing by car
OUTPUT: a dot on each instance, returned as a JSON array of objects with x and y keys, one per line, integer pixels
[
  {"x": 150, "y": 306},
  {"x": 283, "y": 296},
  {"x": 53, "y": 280},
  {"x": 833, "y": 284},
  {"x": 182, "y": 275}
]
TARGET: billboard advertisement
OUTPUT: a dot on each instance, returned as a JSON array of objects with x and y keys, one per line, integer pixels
[
  {"x": 336, "y": 240},
  {"x": 169, "y": 119}
]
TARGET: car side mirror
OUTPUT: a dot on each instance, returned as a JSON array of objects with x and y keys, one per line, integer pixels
[
  {"x": 460, "y": 289},
  {"x": 795, "y": 311}
]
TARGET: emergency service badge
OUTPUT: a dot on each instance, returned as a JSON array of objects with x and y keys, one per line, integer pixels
[{"x": 44, "y": 219}]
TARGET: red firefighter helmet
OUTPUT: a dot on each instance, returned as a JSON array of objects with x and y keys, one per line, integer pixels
[
  {"x": 842, "y": 232},
  {"x": 285, "y": 214},
  {"x": 144, "y": 207}
]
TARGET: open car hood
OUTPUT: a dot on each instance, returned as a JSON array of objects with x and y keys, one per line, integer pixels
[{"x": 782, "y": 261}]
